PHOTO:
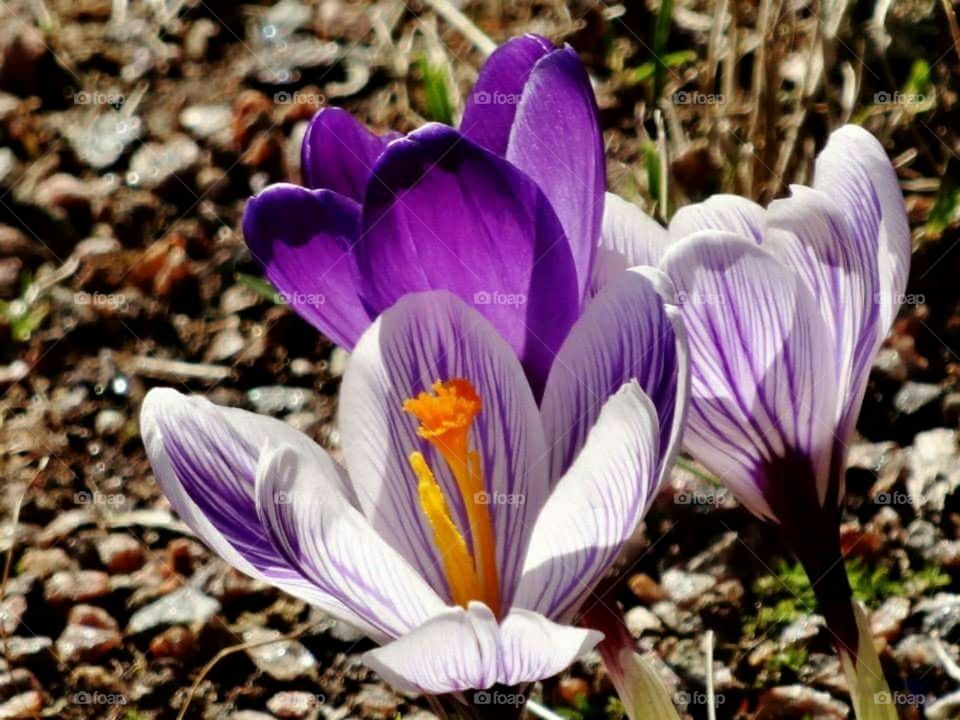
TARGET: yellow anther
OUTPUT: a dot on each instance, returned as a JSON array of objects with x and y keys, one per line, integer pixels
[
  {"x": 445, "y": 418},
  {"x": 457, "y": 561}
]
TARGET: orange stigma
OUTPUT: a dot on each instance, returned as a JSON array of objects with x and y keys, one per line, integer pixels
[{"x": 445, "y": 418}]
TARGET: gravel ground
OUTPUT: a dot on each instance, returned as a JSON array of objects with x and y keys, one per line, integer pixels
[{"x": 130, "y": 137}]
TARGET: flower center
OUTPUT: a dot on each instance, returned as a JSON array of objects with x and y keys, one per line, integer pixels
[{"x": 445, "y": 417}]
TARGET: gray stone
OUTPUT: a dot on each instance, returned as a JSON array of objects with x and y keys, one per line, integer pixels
[{"x": 185, "y": 606}]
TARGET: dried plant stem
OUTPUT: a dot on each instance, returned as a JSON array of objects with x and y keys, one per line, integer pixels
[{"x": 481, "y": 41}]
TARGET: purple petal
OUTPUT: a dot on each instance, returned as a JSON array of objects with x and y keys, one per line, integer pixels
[
  {"x": 338, "y": 153},
  {"x": 466, "y": 650},
  {"x": 492, "y": 105},
  {"x": 760, "y": 389},
  {"x": 424, "y": 338},
  {"x": 810, "y": 233},
  {"x": 449, "y": 215},
  {"x": 556, "y": 140},
  {"x": 595, "y": 508},
  {"x": 330, "y": 542},
  {"x": 720, "y": 212},
  {"x": 205, "y": 459},
  {"x": 303, "y": 238},
  {"x": 624, "y": 334}
]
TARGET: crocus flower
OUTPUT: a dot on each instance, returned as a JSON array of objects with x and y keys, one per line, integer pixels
[
  {"x": 504, "y": 212},
  {"x": 785, "y": 308},
  {"x": 468, "y": 525}
]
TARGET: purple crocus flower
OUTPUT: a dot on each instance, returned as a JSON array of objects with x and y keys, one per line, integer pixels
[
  {"x": 468, "y": 524},
  {"x": 785, "y": 308},
  {"x": 505, "y": 212}
]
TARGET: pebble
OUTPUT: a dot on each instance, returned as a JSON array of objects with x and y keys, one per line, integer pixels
[
  {"x": 916, "y": 652},
  {"x": 109, "y": 422},
  {"x": 83, "y": 643},
  {"x": 156, "y": 164},
  {"x": 17, "y": 681},
  {"x": 44, "y": 562},
  {"x": 685, "y": 588},
  {"x": 941, "y": 615},
  {"x": 377, "y": 702},
  {"x": 18, "y": 649},
  {"x": 640, "y": 620},
  {"x": 25, "y": 705},
  {"x": 283, "y": 660},
  {"x": 801, "y": 629},
  {"x": 294, "y": 703},
  {"x": 680, "y": 621},
  {"x": 934, "y": 468},
  {"x": 914, "y": 396},
  {"x": 207, "y": 121},
  {"x": 11, "y": 612},
  {"x": 100, "y": 142},
  {"x": 176, "y": 642},
  {"x": 121, "y": 553},
  {"x": 66, "y": 523},
  {"x": 78, "y": 586},
  {"x": 224, "y": 345},
  {"x": 250, "y": 715},
  {"x": 946, "y": 708},
  {"x": 185, "y": 606},
  {"x": 338, "y": 362},
  {"x": 798, "y": 701},
  {"x": 645, "y": 588},
  {"x": 889, "y": 363},
  {"x": 276, "y": 399},
  {"x": 886, "y": 620}
]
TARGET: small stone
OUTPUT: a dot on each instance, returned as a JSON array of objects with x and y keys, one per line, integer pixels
[
  {"x": 109, "y": 422},
  {"x": 176, "y": 642},
  {"x": 121, "y": 553},
  {"x": 277, "y": 399},
  {"x": 66, "y": 523},
  {"x": 44, "y": 562},
  {"x": 573, "y": 691},
  {"x": 154, "y": 165},
  {"x": 886, "y": 620},
  {"x": 916, "y": 652},
  {"x": 799, "y": 701},
  {"x": 646, "y": 588},
  {"x": 79, "y": 586},
  {"x": 941, "y": 615},
  {"x": 889, "y": 363},
  {"x": 914, "y": 396},
  {"x": 945, "y": 708},
  {"x": 185, "y": 606},
  {"x": 338, "y": 362},
  {"x": 375, "y": 701},
  {"x": 684, "y": 587},
  {"x": 63, "y": 192},
  {"x": 801, "y": 629},
  {"x": 294, "y": 703},
  {"x": 207, "y": 121},
  {"x": 83, "y": 643},
  {"x": 91, "y": 616},
  {"x": 100, "y": 142},
  {"x": 11, "y": 611},
  {"x": 17, "y": 681},
  {"x": 225, "y": 345},
  {"x": 639, "y": 620},
  {"x": 20, "y": 650},
  {"x": 25, "y": 705},
  {"x": 250, "y": 715},
  {"x": 283, "y": 660},
  {"x": 921, "y": 536},
  {"x": 678, "y": 620},
  {"x": 934, "y": 468}
]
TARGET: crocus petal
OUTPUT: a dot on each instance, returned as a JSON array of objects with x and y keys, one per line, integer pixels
[
  {"x": 594, "y": 509},
  {"x": 556, "y": 140},
  {"x": 624, "y": 334},
  {"x": 856, "y": 173},
  {"x": 760, "y": 389},
  {"x": 720, "y": 212},
  {"x": 427, "y": 337},
  {"x": 810, "y": 233},
  {"x": 466, "y": 650},
  {"x": 304, "y": 239},
  {"x": 338, "y": 153},
  {"x": 631, "y": 232},
  {"x": 449, "y": 215},
  {"x": 205, "y": 459},
  {"x": 492, "y": 105},
  {"x": 329, "y": 541}
]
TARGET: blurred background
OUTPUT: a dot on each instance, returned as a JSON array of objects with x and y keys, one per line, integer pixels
[{"x": 131, "y": 134}]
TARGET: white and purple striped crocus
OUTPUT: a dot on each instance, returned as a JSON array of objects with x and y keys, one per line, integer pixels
[
  {"x": 504, "y": 212},
  {"x": 467, "y": 526},
  {"x": 785, "y": 308}
]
